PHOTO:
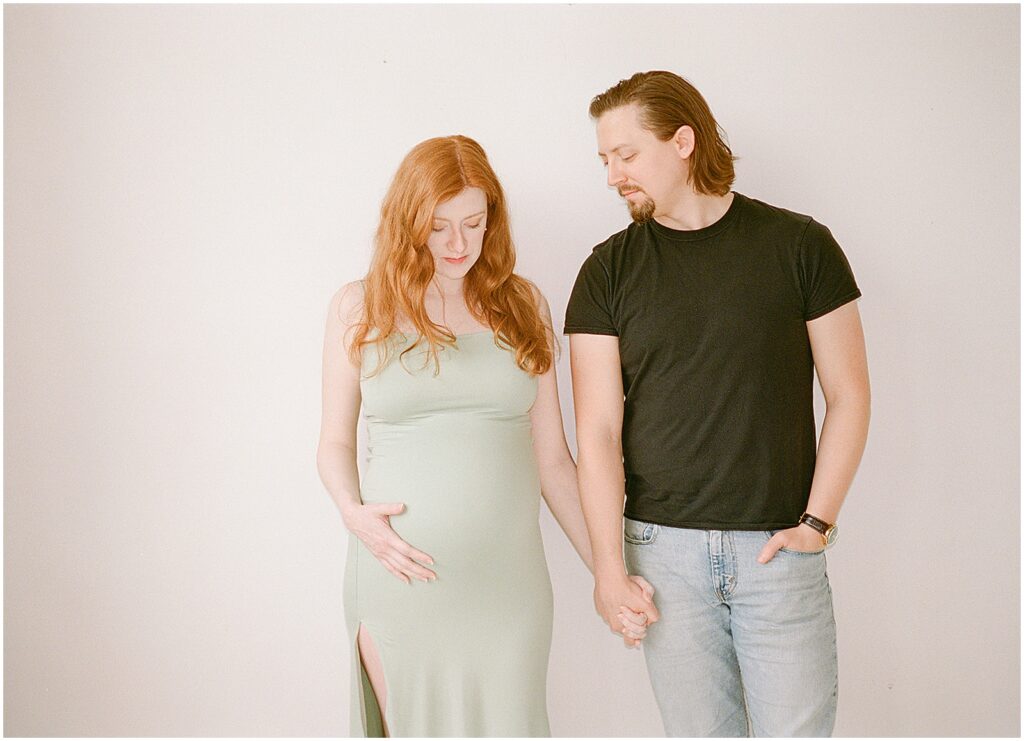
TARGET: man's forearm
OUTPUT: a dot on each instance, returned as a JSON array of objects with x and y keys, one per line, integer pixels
[
  {"x": 844, "y": 433},
  {"x": 602, "y": 491}
]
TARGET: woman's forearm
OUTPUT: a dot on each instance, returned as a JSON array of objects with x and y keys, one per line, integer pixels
[
  {"x": 336, "y": 464},
  {"x": 558, "y": 484}
]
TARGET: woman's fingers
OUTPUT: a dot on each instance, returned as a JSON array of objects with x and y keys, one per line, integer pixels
[
  {"x": 397, "y": 556},
  {"x": 398, "y": 562},
  {"x": 394, "y": 540},
  {"x": 393, "y": 569},
  {"x": 634, "y": 624},
  {"x": 632, "y": 632},
  {"x": 387, "y": 508},
  {"x": 408, "y": 556},
  {"x": 630, "y": 642},
  {"x": 409, "y": 552},
  {"x": 632, "y": 619},
  {"x": 413, "y": 569}
]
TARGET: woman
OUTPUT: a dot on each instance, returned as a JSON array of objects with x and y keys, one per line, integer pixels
[{"x": 451, "y": 355}]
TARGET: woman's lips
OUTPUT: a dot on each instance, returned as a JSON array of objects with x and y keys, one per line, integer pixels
[{"x": 456, "y": 260}]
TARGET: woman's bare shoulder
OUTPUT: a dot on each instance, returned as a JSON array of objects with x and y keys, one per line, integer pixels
[
  {"x": 538, "y": 297},
  {"x": 347, "y": 303}
]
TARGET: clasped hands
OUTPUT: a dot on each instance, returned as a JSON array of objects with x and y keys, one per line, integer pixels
[{"x": 626, "y": 604}]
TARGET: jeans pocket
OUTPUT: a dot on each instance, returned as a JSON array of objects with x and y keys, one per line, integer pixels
[
  {"x": 636, "y": 532},
  {"x": 771, "y": 533}
]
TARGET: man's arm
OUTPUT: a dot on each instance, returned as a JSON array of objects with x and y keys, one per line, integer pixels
[
  {"x": 837, "y": 344},
  {"x": 597, "y": 396}
]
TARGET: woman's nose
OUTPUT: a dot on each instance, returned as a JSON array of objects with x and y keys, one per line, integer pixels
[{"x": 457, "y": 243}]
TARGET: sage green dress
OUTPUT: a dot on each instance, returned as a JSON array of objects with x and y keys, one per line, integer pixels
[{"x": 467, "y": 654}]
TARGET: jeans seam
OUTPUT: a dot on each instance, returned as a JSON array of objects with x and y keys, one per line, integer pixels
[
  {"x": 731, "y": 576},
  {"x": 711, "y": 564}
]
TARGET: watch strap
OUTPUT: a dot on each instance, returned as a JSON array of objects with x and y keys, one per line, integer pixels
[
  {"x": 825, "y": 529},
  {"x": 820, "y": 525}
]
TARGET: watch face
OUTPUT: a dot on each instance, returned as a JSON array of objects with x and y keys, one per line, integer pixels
[{"x": 831, "y": 535}]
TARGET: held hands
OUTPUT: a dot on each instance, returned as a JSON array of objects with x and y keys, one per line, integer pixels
[
  {"x": 371, "y": 523},
  {"x": 626, "y": 604},
  {"x": 635, "y": 624},
  {"x": 800, "y": 538}
]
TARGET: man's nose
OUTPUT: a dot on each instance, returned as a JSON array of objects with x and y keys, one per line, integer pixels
[{"x": 615, "y": 175}]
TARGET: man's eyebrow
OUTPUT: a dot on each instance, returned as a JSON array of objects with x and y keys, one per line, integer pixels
[
  {"x": 613, "y": 149},
  {"x": 478, "y": 213}
]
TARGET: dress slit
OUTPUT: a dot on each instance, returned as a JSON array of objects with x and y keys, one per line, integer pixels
[{"x": 369, "y": 708}]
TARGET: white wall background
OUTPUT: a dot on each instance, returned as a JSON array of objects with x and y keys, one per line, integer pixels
[{"x": 186, "y": 186}]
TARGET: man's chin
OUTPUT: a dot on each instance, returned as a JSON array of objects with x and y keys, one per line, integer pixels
[{"x": 641, "y": 212}]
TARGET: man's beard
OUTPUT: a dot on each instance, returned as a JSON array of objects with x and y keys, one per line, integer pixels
[{"x": 641, "y": 212}]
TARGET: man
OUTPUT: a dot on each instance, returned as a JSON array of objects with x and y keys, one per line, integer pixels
[{"x": 695, "y": 334}]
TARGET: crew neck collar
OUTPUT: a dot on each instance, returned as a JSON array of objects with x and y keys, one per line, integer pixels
[{"x": 690, "y": 235}]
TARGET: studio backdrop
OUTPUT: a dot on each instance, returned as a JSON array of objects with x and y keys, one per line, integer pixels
[{"x": 186, "y": 187}]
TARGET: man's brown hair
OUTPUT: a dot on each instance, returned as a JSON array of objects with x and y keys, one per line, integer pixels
[{"x": 666, "y": 102}]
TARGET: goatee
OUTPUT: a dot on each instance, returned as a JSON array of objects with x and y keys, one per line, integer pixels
[{"x": 641, "y": 212}]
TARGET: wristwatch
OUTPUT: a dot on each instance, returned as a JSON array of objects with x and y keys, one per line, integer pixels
[{"x": 829, "y": 531}]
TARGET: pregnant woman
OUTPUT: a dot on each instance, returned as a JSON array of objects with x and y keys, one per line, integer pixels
[{"x": 450, "y": 354}]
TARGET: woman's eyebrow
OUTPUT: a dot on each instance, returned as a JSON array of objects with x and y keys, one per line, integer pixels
[{"x": 471, "y": 216}]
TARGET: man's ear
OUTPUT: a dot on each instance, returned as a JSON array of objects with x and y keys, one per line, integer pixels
[{"x": 685, "y": 141}]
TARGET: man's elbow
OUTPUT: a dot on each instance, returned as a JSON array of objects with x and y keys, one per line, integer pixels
[
  {"x": 852, "y": 398},
  {"x": 599, "y": 443}
]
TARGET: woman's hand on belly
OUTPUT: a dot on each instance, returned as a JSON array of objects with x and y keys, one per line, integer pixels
[{"x": 371, "y": 524}]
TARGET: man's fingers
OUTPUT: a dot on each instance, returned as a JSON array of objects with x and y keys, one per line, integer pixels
[
  {"x": 645, "y": 587},
  {"x": 770, "y": 549},
  {"x": 639, "y": 602},
  {"x": 388, "y": 508}
]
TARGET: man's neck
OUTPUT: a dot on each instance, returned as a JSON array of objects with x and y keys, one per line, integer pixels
[{"x": 693, "y": 210}]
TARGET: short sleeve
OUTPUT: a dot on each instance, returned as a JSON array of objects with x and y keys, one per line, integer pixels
[
  {"x": 826, "y": 279},
  {"x": 589, "y": 309}
]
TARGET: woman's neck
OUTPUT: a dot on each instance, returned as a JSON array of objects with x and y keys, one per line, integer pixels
[{"x": 445, "y": 288}]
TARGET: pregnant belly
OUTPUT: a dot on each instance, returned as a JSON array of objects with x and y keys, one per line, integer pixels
[{"x": 469, "y": 495}]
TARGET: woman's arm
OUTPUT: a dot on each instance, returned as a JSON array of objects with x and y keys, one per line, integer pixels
[
  {"x": 336, "y": 453},
  {"x": 554, "y": 461},
  {"x": 558, "y": 477}
]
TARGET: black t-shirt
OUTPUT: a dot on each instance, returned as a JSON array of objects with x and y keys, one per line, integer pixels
[{"x": 717, "y": 371}]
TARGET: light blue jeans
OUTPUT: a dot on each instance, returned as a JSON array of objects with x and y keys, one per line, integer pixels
[{"x": 741, "y": 647}]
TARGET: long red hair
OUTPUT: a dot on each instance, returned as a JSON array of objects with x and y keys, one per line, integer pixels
[{"x": 435, "y": 171}]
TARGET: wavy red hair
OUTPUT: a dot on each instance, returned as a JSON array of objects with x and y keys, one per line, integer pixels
[{"x": 433, "y": 172}]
